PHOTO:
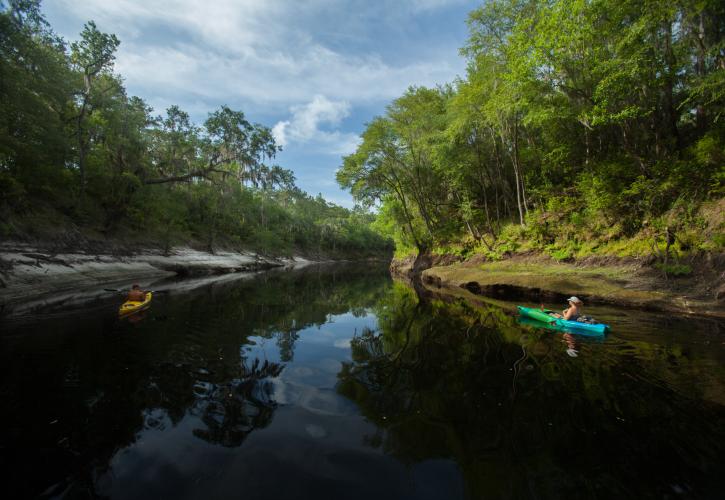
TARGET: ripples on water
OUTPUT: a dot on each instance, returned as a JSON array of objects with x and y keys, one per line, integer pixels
[{"x": 338, "y": 383}]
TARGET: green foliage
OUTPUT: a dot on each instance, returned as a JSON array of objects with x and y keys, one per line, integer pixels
[
  {"x": 674, "y": 269},
  {"x": 11, "y": 191},
  {"x": 75, "y": 148},
  {"x": 584, "y": 123}
]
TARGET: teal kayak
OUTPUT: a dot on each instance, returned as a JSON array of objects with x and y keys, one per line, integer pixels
[
  {"x": 575, "y": 326},
  {"x": 592, "y": 337}
]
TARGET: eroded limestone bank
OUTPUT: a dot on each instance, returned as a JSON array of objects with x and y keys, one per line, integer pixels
[{"x": 32, "y": 275}]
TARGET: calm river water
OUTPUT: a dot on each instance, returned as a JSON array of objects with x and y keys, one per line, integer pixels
[{"x": 337, "y": 382}]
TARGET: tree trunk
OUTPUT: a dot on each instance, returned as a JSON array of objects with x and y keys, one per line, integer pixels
[
  {"x": 401, "y": 197},
  {"x": 518, "y": 195},
  {"x": 517, "y": 180},
  {"x": 518, "y": 166},
  {"x": 423, "y": 261},
  {"x": 481, "y": 169},
  {"x": 669, "y": 85},
  {"x": 82, "y": 147},
  {"x": 700, "y": 116}
]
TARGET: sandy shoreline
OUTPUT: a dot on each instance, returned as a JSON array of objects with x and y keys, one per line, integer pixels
[{"x": 31, "y": 277}]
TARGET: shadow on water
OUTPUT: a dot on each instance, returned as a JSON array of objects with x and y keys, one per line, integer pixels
[{"x": 334, "y": 381}]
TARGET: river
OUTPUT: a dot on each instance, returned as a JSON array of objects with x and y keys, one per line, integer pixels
[{"x": 338, "y": 382}]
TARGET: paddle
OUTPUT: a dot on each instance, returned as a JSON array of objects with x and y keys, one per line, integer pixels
[{"x": 123, "y": 291}]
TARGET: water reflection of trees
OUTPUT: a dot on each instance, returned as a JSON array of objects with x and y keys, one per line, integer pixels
[
  {"x": 517, "y": 414},
  {"x": 195, "y": 362},
  {"x": 232, "y": 410},
  {"x": 209, "y": 375},
  {"x": 282, "y": 305}
]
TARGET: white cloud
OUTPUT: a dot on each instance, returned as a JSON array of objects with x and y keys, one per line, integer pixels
[
  {"x": 304, "y": 126},
  {"x": 306, "y": 119},
  {"x": 268, "y": 54},
  {"x": 279, "y": 131}
]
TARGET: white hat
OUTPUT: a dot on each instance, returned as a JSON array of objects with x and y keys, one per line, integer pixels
[{"x": 576, "y": 300}]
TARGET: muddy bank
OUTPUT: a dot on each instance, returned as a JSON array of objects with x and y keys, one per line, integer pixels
[
  {"x": 32, "y": 276},
  {"x": 535, "y": 279}
]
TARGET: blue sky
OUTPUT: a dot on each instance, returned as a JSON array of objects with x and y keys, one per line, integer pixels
[{"x": 314, "y": 70}]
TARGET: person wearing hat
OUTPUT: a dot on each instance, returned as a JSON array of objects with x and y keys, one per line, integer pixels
[
  {"x": 136, "y": 294},
  {"x": 573, "y": 312}
]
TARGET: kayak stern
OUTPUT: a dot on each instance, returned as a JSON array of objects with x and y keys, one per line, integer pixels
[{"x": 132, "y": 306}]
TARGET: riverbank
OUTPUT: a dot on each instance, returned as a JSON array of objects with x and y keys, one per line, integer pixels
[
  {"x": 623, "y": 283},
  {"x": 33, "y": 275}
]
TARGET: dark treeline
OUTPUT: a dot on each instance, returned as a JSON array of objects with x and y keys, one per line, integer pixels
[
  {"x": 77, "y": 150},
  {"x": 581, "y": 126}
]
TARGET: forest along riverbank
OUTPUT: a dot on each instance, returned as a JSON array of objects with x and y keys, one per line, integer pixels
[
  {"x": 622, "y": 283},
  {"x": 32, "y": 276}
]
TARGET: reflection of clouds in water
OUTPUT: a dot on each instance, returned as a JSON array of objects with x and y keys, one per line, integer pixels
[
  {"x": 337, "y": 329},
  {"x": 315, "y": 431},
  {"x": 321, "y": 367},
  {"x": 313, "y": 399},
  {"x": 300, "y": 371},
  {"x": 329, "y": 365},
  {"x": 342, "y": 343}
]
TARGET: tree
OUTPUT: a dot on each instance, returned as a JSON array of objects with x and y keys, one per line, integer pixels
[
  {"x": 91, "y": 56},
  {"x": 395, "y": 161},
  {"x": 227, "y": 146},
  {"x": 590, "y": 115},
  {"x": 34, "y": 88}
]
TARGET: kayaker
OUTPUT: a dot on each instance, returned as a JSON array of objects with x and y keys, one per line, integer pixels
[
  {"x": 571, "y": 313},
  {"x": 136, "y": 294}
]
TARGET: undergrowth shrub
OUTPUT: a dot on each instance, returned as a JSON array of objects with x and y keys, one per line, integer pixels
[{"x": 675, "y": 269}]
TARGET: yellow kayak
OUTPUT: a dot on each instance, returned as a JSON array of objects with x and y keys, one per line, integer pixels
[{"x": 132, "y": 306}]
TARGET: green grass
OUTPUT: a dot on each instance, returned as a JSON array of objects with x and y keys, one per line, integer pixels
[
  {"x": 674, "y": 269},
  {"x": 553, "y": 269}
]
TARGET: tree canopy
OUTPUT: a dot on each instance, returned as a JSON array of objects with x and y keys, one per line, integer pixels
[{"x": 581, "y": 122}]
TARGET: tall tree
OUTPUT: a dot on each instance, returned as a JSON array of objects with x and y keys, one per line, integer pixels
[
  {"x": 92, "y": 55},
  {"x": 35, "y": 83}
]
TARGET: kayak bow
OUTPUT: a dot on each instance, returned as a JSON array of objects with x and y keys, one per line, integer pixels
[
  {"x": 575, "y": 326},
  {"x": 132, "y": 306}
]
